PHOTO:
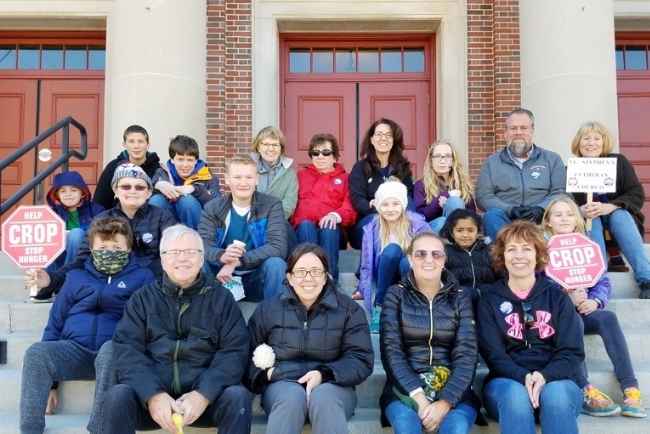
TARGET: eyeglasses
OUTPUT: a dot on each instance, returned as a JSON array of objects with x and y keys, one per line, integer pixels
[
  {"x": 387, "y": 136},
  {"x": 136, "y": 187},
  {"x": 271, "y": 145},
  {"x": 324, "y": 152},
  {"x": 442, "y": 157},
  {"x": 435, "y": 254},
  {"x": 314, "y": 272},
  {"x": 529, "y": 320},
  {"x": 190, "y": 253}
]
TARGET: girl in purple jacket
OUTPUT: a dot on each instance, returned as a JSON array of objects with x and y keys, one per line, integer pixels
[
  {"x": 562, "y": 216},
  {"x": 384, "y": 243},
  {"x": 444, "y": 186}
]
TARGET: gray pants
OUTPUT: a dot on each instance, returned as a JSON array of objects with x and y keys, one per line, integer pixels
[
  {"x": 329, "y": 408},
  {"x": 47, "y": 362}
]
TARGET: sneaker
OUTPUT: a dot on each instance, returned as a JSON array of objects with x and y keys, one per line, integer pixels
[
  {"x": 645, "y": 290},
  {"x": 374, "y": 320},
  {"x": 596, "y": 403},
  {"x": 36, "y": 300},
  {"x": 632, "y": 404}
]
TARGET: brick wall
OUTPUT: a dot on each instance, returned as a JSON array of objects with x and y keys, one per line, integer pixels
[
  {"x": 229, "y": 80},
  {"x": 493, "y": 74}
]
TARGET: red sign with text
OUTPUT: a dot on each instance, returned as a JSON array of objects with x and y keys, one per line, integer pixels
[
  {"x": 33, "y": 236},
  {"x": 574, "y": 261}
]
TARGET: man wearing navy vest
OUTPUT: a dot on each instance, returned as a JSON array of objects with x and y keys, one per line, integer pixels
[{"x": 244, "y": 233}]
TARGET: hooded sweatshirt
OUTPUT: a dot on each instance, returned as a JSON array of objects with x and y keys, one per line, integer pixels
[
  {"x": 86, "y": 210},
  {"x": 551, "y": 344}
]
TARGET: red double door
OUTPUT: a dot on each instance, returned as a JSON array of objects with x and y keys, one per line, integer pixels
[{"x": 345, "y": 104}]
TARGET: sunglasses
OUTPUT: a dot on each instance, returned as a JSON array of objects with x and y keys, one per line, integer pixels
[
  {"x": 323, "y": 152},
  {"x": 128, "y": 187},
  {"x": 435, "y": 254}
]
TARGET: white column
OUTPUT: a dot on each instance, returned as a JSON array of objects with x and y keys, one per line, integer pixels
[
  {"x": 568, "y": 67},
  {"x": 155, "y": 71}
]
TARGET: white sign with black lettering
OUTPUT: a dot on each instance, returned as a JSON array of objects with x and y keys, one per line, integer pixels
[{"x": 591, "y": 175}]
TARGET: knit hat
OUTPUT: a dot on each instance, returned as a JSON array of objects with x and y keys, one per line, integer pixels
[
  {"x": 129, "y": 170},
  {"x": 394, "y": 189}
]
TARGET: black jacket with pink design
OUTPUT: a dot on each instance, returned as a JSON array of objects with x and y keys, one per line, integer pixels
[{"x": 540, "y": 333}]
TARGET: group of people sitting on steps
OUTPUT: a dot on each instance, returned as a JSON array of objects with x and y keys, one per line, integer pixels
[{"x": 146, "y": 291}]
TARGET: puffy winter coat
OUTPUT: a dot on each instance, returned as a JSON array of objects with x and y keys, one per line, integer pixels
[
  {"x": 321, "y": 193},
  {"x": 91, "y": 303},
  {"x": 417, "y": 334},
  {"x": 205, "y": 183},
  {"x": 178, "y": 340},
  {"x": 471, "y": 267},
  {"x": 332, "y": 337}
]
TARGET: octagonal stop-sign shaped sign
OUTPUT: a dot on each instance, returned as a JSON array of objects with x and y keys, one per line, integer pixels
[
  {"x": 574, "y": 261},
  {"x": 33, "y": 236}
]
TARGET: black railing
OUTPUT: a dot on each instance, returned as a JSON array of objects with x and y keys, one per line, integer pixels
[{"x": 66, "y": 154}]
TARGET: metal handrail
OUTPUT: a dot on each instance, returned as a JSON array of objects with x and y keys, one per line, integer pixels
[{"x": 63, "y": 159}]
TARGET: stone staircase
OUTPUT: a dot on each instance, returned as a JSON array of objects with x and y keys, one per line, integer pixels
[{"x": 22, "y": 323}]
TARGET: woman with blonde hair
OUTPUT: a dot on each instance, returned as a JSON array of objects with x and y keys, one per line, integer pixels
[
  {"x": 620, "y": 211},
  {"x": 385, "y": 241},
  {"x": 444, "y": 186}
]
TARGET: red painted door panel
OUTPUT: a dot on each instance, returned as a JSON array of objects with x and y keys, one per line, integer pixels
[
  {"x": 405, "y": 102},
  {"x": 83, "y": 99},
  {"x": 320, "y": 108},
  {"x": 634, "y": 129},
  {"x": 17, "y": 125}
]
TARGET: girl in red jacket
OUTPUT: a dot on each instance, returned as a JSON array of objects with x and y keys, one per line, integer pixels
[{"x": 323, "y": 199}]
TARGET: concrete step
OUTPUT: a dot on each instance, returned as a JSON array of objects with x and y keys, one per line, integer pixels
[{"x": 364, "y": 421}]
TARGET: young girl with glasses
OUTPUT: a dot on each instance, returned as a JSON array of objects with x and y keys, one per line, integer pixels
[
  {"x": 385, "y": 240},
  {"x": 444, "y": 187},
  {"x": 563, "y": 217}
]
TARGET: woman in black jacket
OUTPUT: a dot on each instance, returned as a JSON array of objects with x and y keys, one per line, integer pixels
[
  {"x": 382, "y": 152},
  {"x": 311, "y": 347},
  {"x": 531, "y": 339},
  {"x": 428, "y": 347},
  {"x": 620, "y": 211}
]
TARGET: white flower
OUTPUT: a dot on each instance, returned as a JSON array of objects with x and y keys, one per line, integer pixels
[{"x": 263, "y": 356}]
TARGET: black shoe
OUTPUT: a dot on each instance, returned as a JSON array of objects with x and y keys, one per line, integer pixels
[{"x": 645, "y": 290}]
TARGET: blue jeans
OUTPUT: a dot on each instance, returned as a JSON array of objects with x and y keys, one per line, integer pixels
[
  {"x": 560, "y": 404},
  {"x": 405, "y": 420},
  {"x": 453, "y": 203},
  {"x": 356, "y": 232},
  {"x": 393, "y": 264},
  {"x": 493, "y": 220},
  {"x": 73, "y": 239},
  {"x": 263, "y": 282},
  {"x": 328, "y": 239},
  {"x": 623, "y": 228},
  {"x": 187, "y": 209},
  {"x": 604, "y": 323}
]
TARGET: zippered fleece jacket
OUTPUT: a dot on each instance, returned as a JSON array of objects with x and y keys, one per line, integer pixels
[
  {"x": 503, "y": 185},
  {"x": 178, "y": 340}
]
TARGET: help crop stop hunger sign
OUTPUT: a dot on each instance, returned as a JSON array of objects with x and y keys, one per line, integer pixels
[
  {"x": 574, "y": 261},
  {"x": 33, "y": 236}
]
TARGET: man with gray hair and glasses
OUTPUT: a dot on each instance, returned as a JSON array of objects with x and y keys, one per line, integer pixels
[
  {"x": 518, "y": 182},
  {"x": 181, "y": 347}
]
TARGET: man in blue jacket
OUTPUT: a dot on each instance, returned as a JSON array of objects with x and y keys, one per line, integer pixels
[
  {"x": 518, "y": 182},
  {"x": 245, "y": 233}
]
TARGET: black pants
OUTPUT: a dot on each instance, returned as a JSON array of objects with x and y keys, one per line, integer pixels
[{"x": 124, "y": 414}]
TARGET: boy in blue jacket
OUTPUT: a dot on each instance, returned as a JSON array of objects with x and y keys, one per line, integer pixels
[
  {"x": 70, "y": 198},
  {"x": 82, "y": 320},
  {"x": 184, "y": 184}
]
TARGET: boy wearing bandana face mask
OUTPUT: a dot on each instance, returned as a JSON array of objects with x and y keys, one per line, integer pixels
[{"x": 82, "y": 320}]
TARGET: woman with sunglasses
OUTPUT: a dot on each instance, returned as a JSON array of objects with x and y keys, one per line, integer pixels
[
  {"x": 132, "y": 187},
  {"x": 310, "y": 348},
  {"x": 531, "y": 339},
  {"x": 444, "y": 186},
  {"x": 428, "y": 347},
  {"x": 323, "y": 199},
  {"x": 382, "y": 152}
]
